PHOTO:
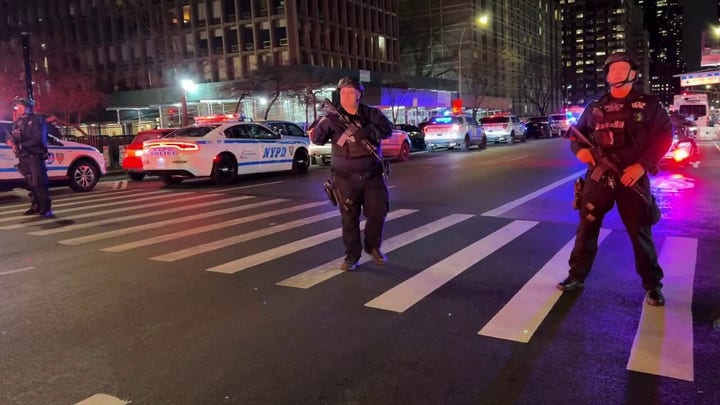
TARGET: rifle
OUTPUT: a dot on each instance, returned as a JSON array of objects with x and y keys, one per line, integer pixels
[
  {"x": 603, "y": 164},
  {"x": 351, "y": 129}
]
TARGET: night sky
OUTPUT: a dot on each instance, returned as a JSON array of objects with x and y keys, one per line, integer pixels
[{"x": 699, "y": 14}]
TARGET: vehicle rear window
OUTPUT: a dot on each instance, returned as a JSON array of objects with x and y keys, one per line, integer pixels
[
  {"x": 536, "y": 119},
  {"x": 146, "y": 136},
  {"x": 445, "y": 120},
  {"x": 558, "y": 117},
  {"x": 495, "y": 120},
  {"x": 192, "y": 132}
]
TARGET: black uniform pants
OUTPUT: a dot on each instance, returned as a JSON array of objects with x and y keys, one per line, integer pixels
[
  {"x": 372, "y": 196},
  {"x": 597, "y": 201},
  {"x": 37, "y": 180}
]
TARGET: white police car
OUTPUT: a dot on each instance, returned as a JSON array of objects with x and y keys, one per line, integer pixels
[
  {"x": 221, "y": 151},
  {"x": 77, "y": 164}
]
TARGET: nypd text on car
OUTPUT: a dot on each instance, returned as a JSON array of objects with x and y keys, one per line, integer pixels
[
  {"x": 77, "y": 164},
  {"x": 221, "y": 149}
]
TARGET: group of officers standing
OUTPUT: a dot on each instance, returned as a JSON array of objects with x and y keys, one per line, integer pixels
[{"x": 635, "y": 135}]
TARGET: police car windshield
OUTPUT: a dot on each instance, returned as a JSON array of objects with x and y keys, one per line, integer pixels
[
  {"x": 559, "y": 117},
  {"x": 445, "y": 120},
  {"x": 536, "y": 119},
  {"x": 192, "y": 132}
]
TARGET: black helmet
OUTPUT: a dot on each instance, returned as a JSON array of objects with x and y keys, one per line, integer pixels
[
  {"x": 350, "y": 82},
  {"x": 619, "y": 57},
  {"x": 27, "y": 102}
]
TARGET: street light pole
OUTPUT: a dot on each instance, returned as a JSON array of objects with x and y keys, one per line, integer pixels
[{"x": 481, "y": 21}]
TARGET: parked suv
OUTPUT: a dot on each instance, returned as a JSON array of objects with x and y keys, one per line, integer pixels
[
  {"x": 559, "y": 124},
  {"x": 450, "y": 131},
  {"x": 503, "y": 128}
]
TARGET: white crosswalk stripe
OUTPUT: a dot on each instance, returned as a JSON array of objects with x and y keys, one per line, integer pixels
[
  {"x": 662, "y": 346},
  {"x": 272, "y": 254},
  {"x": 409, "y": 292},
  {"x": 328, "y": 270}
]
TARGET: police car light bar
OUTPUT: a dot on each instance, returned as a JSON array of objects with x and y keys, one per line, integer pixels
[{"x": 217, "y": 118}]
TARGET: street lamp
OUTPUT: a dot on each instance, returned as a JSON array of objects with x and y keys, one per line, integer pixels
[
  {"x": 482, "y": 21},
  {"x": 187, "y": 86}
]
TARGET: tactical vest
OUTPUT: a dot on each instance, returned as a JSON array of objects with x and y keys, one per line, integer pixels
[
  {"x": 616, "y": 121},
  {"x": 350, "y": 148}
]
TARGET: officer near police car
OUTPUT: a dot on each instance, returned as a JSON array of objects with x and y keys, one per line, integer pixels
[
  {"x": 355, "y": 131},
  {"x": 29, "y": 142},
  {"x": 633, "y": 130}
]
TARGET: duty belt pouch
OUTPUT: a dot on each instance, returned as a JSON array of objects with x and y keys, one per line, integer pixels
[{"x": 652, "y": 212}]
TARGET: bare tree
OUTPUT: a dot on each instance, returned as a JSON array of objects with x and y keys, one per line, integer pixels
[
  {"x": 306, "y": 89},
  {"x": 538, "y": 85},
  {"x": 396, "y": 93},
  {"x": 475, "y": 78}
]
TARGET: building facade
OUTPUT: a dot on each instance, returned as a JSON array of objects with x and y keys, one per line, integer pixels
[
  {"x": 664, "y": 23},
  {"x": 592, "y": 30},
  {"x": 505, "y": 54}
]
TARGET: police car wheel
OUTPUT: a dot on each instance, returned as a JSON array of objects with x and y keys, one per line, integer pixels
[
  {"x": 224, "y": 170},
  {"x": 404, "y": 152},
  {"x": 83, "y": 175},
  {"x": 301, "y": 162}
]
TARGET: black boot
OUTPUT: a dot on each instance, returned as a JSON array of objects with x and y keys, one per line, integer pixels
[{"x": 34, "y": 209}]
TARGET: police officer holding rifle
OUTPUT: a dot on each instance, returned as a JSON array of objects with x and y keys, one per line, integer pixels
[
  {"x": 357, "y": 181},
  {"x": 621, "y": 136}
]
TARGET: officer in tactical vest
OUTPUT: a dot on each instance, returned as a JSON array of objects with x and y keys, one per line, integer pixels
[
  {"x": 355, "y": 131},
  {"x": 634, "y": 131},
  {"x": 29, "y": 141}
]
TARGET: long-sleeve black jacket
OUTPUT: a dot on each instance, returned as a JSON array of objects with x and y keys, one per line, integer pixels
[
  {"x": 375, "y": 127},
  {"x": 646, "y": 123},
  {"x": 32, "y": 137}
]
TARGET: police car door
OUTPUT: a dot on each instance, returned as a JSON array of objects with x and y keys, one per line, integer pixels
[
  {"x": 275, "y": 155},
  {"x": 7, "y": 156},
  {"x": 59, "y": 157},
  {"x": 246, "y": 150}
]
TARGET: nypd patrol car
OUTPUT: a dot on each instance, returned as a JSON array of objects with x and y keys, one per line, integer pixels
[
  {"x": 223, "y": 150},
  {"x": 77, "y": 164}
]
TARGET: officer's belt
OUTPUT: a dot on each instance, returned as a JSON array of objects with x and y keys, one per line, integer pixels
[{"x": 376, "y": 171}]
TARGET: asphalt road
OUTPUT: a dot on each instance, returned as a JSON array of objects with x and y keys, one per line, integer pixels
[{"x": 198, "y": 294}]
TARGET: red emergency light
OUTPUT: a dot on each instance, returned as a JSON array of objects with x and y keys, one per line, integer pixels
[{"x": 457, "y": 106}]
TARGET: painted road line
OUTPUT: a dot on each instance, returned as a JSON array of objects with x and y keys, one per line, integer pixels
[
  {"x": 409, "y": 292},
  {"x": 120, "y": 185},
  {"x": 152, "y": 214},
  {"x": 663, "y": 343},
  {"x": 102, "y": 399},
  {"x": 250, "y": 186},
  {"x": 517, "y": 158},
  {"x": 207, "y": 247},
  {"x": 331, "y": 269},
  {"x": 125, "y": 200},
  {"x": 4, "y": 273},
  {"x": 86, "y": 202},
  {"x": 272, "y": 254},
  {"x": 522, "y": 315},
  {"x": 522, "y": 200},
  {"x": 159, "y": 224},
  {"x": 61, "y": 198},
  {"x": 60, "y": 219},
  {"x": 211, "y": 227}
]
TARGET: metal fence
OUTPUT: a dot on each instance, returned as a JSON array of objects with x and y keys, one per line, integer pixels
[{"x": 111, "y": 146}]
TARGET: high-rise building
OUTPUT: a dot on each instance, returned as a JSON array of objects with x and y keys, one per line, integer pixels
[
  {"x": 664, "y": 23},
  {"x": 592, "y": 30},
  {"x": 499, "y": 51},
  {"x": 141, "y": 44}
]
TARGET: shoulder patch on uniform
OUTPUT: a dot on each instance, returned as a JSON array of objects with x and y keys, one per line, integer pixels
[{"x": 638, "y": 104}]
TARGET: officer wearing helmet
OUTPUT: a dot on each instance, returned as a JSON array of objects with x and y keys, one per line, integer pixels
[
  {"x": 29, "y": 141},
  {"x": 356, "y": 172},
  {"x": 634, "y": 131}
]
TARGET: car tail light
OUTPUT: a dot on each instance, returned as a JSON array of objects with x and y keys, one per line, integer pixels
[{"x": 682, "y": 151}]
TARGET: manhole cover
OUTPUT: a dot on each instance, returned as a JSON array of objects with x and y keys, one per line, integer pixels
[{"x": 717, "y": 325}]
